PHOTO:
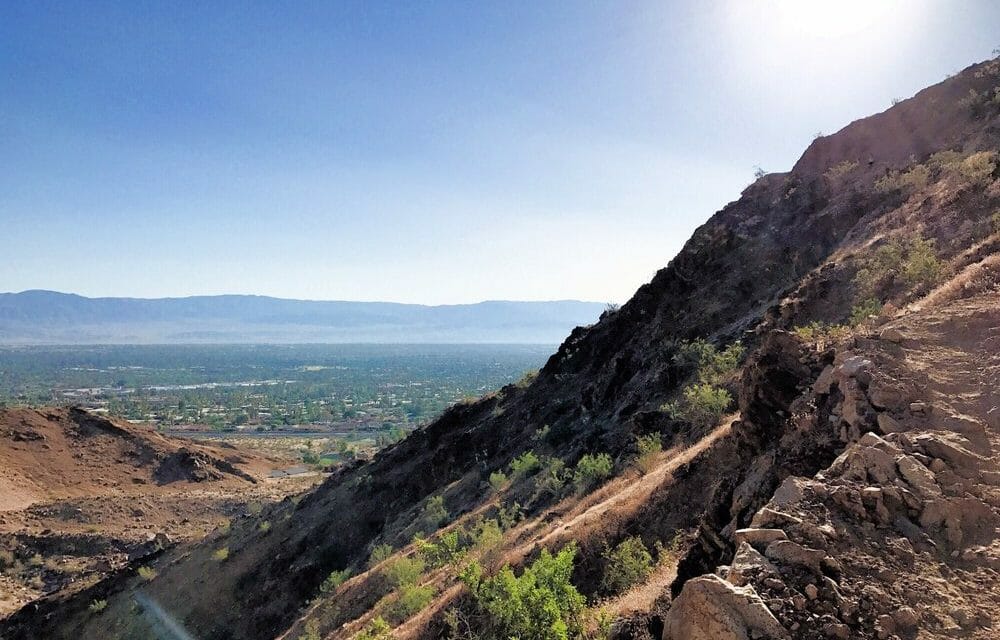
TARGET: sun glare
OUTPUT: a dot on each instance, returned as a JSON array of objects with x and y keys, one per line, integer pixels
[{"x": 826, "y": 19}]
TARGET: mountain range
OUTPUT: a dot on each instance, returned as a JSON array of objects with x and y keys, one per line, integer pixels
[{"x": 49, "y": 317}]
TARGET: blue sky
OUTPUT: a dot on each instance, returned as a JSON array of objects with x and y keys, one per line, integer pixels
[{"x": 434, "y": 152}]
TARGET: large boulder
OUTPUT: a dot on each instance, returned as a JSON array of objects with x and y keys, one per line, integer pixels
[{"x": 709, "y": 608}]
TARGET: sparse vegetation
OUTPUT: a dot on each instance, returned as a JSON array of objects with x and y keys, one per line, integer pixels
[
  {"x": 377, "y": 629},
  {"x": 498, "y": 481},
  {"x": 701, "y": 404},
  {"x": 704, "y": 359},
  {"x": 549, "y": 482},
  {"x": 913, "y": 261},
  {"x": 978, "y": 168},
  {"x": 447, "y": 550},
  {"x": 146, "y": 573},
  {"x": 221, "y": 554},
  {"x": 434, "y": 514},
  {"x": 264, "y": 526},
  {"x": 822, "y": 334},
  {"x": 524, "y": 465},
  {"x": 379, "y": 554},
  {"x": 913, "y": 179},
  {"x": 7, "y": 560},
  {"x": 922, "y": 266},
  {"x": 404, "y": 571},
  {"x": 334, "y": 580},
  {"x": 863, "y": 310},
  {"x": 541, "y": 603},
  {"x": 410, "y": 600},
  {"x": 626, "y": 565},
  {"x": 648, "y": 446},
  {"x": 97, "y": 606},
  {"x": 508, "y": 515},
  {"x": 841, "y": 169},
  {"x": 591, "y": 471},
  {"x": 311, "y": 631}
]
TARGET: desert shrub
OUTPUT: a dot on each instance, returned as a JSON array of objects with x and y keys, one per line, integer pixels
[
  {"x": 551, "y": 479},
  {"x": 334, "y": 580},
  {"x": 410, "y": 600},
  {"x": 922, "y": 267},
  {"x": 447, "y": 550},
  {"x": 913, "y": 179},
  {"x": 527, "y": 378},
  {"x": 377, "y": 629},
  {"x": 434, "y": 514},
  {"x": 979, "y": 167},
  {"x": 264, "y": 527},
  {"x": 221, "y": 555},
  {"x": 822, "y": 334},
  {"x": 404, "y": 571},
  {"x": 379, "y": 554},
  {"x": 311, "y": 631},
  {"x": 508, "y": 515},
  {"x": 701, "y": 404},
  {"x": 628, "y": 564},
  {"x": 97, "y": 606},
  {"x": 647, "y": 447},
  {"x": 541, "y": 603},
  {"x": 841, "y": 169},
  {"x": 670, "y": 551},
  {"x": 948, "y": 160},
  {"x": 591, "y": 470},
  {"x": 255, "y": 508},
  {"x": 498, "y": 480},
  {"x": 706, "y": 361},
  {"x": 863, "y": 310},
  {"x": 524, "y": 465},
  {"x": 146, "y": 573}
]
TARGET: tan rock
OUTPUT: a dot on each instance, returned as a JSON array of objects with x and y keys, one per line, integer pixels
[
  {"x": 888, "y": 424},
  {"x": 919, "y": 477},
  {"x": 792, "y": 553},
  {"x": 747, "y": 561},
  {"x": 709, "y": 608},
  {"x": 756, "y": 537}
]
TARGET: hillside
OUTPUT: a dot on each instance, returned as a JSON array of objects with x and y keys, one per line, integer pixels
[
  {"x": 48, "y": 317},
  {"x": 850, "y": 490},
  {"x": 81, "y": 494}
]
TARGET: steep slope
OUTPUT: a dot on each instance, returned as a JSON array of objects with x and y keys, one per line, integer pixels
[{"x": 867, "y": 222}]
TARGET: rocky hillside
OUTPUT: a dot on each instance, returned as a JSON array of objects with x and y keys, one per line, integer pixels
[{"x": 798, "y": 416}]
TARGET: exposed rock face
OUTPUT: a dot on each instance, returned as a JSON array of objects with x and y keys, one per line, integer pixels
[{"x": 712, "y": 609}]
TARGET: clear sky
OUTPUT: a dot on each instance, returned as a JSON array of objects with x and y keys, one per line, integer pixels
[{"x": 432, "y": 152}]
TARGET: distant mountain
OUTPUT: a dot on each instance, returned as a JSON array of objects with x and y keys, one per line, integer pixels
[{"x": 49, "y": 317}]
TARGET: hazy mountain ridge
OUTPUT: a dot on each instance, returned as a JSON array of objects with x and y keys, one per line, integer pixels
[{"x": 48, "y": 317}]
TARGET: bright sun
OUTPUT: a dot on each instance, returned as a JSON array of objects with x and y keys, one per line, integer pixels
[{"x": 832, "y": 19}]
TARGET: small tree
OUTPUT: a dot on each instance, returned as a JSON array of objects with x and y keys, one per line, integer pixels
[
  {"x": 628, "y": 564},
  {"x": 591, "y": 470},
  {"x": 379, "y": 554},
  {"x": 498, "y": 481},
  {"x": 334, "y": 580},
  {"x": 524, "y": 465},
  {"x": 434, "y": 514}
]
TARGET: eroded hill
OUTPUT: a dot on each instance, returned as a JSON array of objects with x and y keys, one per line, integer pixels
[{"x": 849, "y": 490}]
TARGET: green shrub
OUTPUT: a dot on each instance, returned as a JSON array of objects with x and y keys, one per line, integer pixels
[
  {"x": 434, "y": 514},
  {"x": 541, "y": 603},
  {"x": 822, "y": 334},
  {"x": 509, "y": 515},
  {"x": 379, "y": 554},
  {"x": 377, "y": 629},
  {"x": 913, "y": 179},
  {"x": 865, "y": 309},
  {"x": 707, "y": 362},
  {"x": 524, "y": 465},
  {"x": 264, "y": 527},
  {"x": 551, "y": 479},
  {"x": 647, "y": 447},
  {"x": 311, "y": 631},
  {"x": 947, "y": 160},
  {"x": 498, "y": 480},
  {"x": 979, "y": 167},
  {"x": 410, "y": 600},
  {"x": 447, "y": 550},
  {"x": 221, "y": 555},
  {"x": 628, "y": 564},
  {"x": 701, "y": 404},
  {"x": 922, "y": 267},
  {"x": 592, "y": 470},
  {"x": 146, "y": 573},
  {"x": 334, "y": 580},
  {"x": 404, "y": 571},
  {"x": 97, "y": 606}
]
